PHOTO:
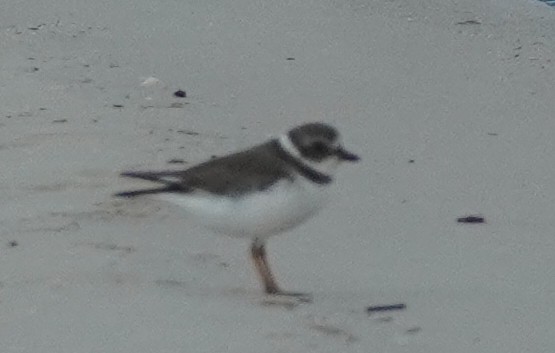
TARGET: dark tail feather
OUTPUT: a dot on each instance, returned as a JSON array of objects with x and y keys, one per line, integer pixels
[
  {"x": 151, "y": 176},
  {"x": 142, "y": 192}
]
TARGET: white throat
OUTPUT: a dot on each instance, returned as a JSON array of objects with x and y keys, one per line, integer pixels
[{"x": 328, "y": 167}]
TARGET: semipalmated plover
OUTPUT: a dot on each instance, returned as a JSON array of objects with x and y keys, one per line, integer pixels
[{"x": 262, "y": 191}]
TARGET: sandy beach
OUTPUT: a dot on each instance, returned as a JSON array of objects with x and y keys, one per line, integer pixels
[{"x": 449, "y": 104}]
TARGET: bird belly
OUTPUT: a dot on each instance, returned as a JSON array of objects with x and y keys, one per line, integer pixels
[{"x": 261, "y": 214}]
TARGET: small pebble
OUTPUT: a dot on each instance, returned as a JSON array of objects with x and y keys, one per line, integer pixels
[
  {"x": 176, "y": 161},
  {"x": 180, "y": 94},
  {"x": 471, "y": 219},
  {"x": 469, "y": 22},
  {"x": 414, "y": 330},
  {"x": 188, "y": 132},
  {"x": 381, "y": 308}
]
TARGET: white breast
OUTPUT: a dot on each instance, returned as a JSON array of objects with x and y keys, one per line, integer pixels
[{"x": 261, "y": 214}]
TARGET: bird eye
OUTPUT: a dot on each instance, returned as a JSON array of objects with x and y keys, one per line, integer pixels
[{"x": 319, "y": 147}]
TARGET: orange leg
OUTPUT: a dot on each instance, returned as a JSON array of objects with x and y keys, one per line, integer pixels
[{"x": 258, "y": 253}]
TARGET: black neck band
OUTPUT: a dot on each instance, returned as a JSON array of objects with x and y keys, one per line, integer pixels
[{"x": 307, "y": 172}]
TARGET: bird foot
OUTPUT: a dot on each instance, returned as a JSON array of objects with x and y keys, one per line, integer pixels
[{"x": 298, "y": 296}]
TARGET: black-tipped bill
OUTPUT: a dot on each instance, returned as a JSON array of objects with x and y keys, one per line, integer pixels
[{"x": 345, "y": 155}]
